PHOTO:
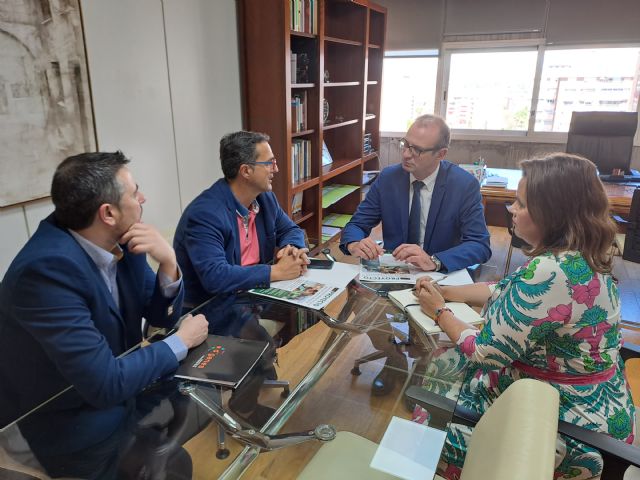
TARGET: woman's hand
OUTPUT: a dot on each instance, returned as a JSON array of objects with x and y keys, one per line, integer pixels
[{"x": 429, "y": 296}]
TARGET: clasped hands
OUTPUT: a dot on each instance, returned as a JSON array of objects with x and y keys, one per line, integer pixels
[
  {"x": 290, "y": 263},
  {"x": 431, "y": 296},
  {"x": 411, "y": 253}
]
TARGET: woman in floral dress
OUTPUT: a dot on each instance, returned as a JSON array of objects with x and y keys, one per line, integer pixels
[{"x": 555, "y": 319}]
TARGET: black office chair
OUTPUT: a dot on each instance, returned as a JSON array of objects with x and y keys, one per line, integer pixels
[
  {"x": 605, "y": 138},
  {"x": 516, "y": 241},
  {"x": 631, "y": 249}
]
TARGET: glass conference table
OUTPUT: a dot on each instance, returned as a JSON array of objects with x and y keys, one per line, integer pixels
[{"x": 313, "y": 377}]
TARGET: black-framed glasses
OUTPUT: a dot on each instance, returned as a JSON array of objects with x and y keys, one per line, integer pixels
[{"x": 416, "y": 151}]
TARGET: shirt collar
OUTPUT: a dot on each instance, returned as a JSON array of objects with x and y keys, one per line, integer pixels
[
  {"x": 99, "y": 255},
  {"x": 428, "y": 182},
  {"x": 243, "y": 211}
]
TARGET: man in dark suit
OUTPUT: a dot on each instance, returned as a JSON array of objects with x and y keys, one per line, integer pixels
[
  {"x": 452, "y": 233},
  {"x": 431, "y": 213},
  {"x": 73, "y": 299},
  {"x": 228, "y": 234}
]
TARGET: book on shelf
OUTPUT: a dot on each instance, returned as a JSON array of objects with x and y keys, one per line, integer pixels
[
  {"x": 368, "y": 176},
  {"x": 314, "y": 289},
  {"x": 294, "y": 66},
  {"x": 326, "y": 155},
  {"x": 221, "y": 360},
  {"x": 303, "y": 16},
  {"x": 328, "y": 232},
  {"x": 300, "y": 159},
  {"x": 408, "y": 302},
  {"x": 299, "y": 112},
  {"x": 336, "y": 219},
  {"x": 335, "y": 192},
  {"x": 296, "y": 203}
]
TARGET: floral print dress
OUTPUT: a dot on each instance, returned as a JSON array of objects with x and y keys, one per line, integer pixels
[{"x": 556, "y": 320}]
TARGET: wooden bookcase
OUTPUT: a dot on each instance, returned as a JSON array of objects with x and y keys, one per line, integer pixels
[{"x": 344, "y": 67}]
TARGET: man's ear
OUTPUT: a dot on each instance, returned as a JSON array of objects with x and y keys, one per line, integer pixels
[
  {"x": 442, "y": 153},
  {"x": 107, "y": 214},
  {"x": 245, "y": 170}
]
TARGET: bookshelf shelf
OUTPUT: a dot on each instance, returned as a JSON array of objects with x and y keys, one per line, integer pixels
[
  {"x": 338, "y": 167},
  {"x": 343, "y": 41},
  {"x": 290, "y": 78},
  {"x": 371, "y": 156},
  {"x": 341, "y": 84},
  {"x": 296, "y": 33},
  {"x": 341, "y": 124},
  {"x": 302, "y": 133},
  {"x": 298, "y": 218},
  {"x": 304, "y": 184}
]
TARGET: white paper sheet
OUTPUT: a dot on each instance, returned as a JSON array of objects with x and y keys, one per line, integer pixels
[{"x": 409, "y": 450}]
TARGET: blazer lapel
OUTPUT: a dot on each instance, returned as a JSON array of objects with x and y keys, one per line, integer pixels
[{"x": 439, "y": 190}]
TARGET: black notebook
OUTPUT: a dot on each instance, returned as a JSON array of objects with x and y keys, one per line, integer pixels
[{"x": 221, "y": 360}]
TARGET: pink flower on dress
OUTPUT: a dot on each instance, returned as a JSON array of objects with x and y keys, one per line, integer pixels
[
  {"x": 420, "y": 415},
  {"x": 586, "y": 294},
  {"x": 468, "y": 346},
  {"x": 452, "y": 472},
  {"x": 559, "y": 313}
]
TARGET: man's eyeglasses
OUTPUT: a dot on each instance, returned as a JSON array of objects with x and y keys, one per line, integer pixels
[
  {"x": 416, "y": 151},
  {"x": 269, "y": 163}
]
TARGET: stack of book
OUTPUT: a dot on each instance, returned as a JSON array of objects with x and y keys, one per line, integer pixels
[
  {"x": 299, "y": 112},
  {"x": 496, "y": 181},
  {"x": 333, "y": 223},
  {"x": 368, "y": 144},
  {"x": 304, "y": 16},
  {"x": 300, "y": 160}
]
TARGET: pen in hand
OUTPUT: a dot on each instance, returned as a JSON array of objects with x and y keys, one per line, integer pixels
[{"x": 433, "y": 282}]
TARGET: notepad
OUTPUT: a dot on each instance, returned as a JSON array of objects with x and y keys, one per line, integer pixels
[{"x": 408, "y": 302}]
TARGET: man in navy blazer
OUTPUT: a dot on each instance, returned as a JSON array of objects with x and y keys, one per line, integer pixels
[
  {"x": 449, "y": 228},
  {"x": 453, "y": 233},
  {"x": 72, "y": 302},
  {"x": 229, "y": 232}
]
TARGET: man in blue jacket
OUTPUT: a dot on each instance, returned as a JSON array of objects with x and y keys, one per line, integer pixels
[
  {"x": 228, "y": 234},
  {"x": 73, "y": 299},
  {"x": 431, "y": 213}
]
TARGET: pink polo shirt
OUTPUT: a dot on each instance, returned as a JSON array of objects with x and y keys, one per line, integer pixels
[{"x": 249, "y": 246}]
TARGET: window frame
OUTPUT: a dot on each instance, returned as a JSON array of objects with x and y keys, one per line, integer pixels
[
  {"x": 429, "y": 53},
  {"x": 530, "y": 135}
]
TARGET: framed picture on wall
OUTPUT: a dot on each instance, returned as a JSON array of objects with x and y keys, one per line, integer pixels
[{"x": 45, "y": 101}]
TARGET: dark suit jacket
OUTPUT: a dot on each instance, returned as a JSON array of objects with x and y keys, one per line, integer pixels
[
  {"x": 59, "y": 326},
  {"x": 207, "y": 243},
  {"x": 456, "y": 231}
]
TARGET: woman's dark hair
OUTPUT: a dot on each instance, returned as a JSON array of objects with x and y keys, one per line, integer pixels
[{"x": 567, "y": 202}]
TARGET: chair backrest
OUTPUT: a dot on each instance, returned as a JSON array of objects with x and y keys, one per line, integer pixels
[
  {"x": 516, "y": 436},
  {"x": 605, "y": 138},
  {"x": 632, "y": 241}
]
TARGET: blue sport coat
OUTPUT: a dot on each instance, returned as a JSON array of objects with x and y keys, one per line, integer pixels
[
  {"x": 456, "y": 231},
  {"x": 59, "y": 326},
  {"x": 207, "y": 243}
]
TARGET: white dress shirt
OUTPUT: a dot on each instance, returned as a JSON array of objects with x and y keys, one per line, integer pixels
[{"x": 425, "y": 200}]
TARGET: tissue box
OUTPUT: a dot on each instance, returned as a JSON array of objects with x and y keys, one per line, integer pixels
[{"x": 478, "y": 171}]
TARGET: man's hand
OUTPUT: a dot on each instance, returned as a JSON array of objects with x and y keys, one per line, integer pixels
[
  {"x": 144, "y": 238},
  {"x": 413, "y": 254},
  {"x": 298, "y": 253},
  {"x": 366, "y": 248},
  {"x": 288, "y": 268},
  {"x": 193, "y": 330}
]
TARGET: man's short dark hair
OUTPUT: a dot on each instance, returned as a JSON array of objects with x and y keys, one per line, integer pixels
[
  {"x": 82, "y": 183},
  {"x": 239, "y": 148},
  {"x": 445, "y": 133}
]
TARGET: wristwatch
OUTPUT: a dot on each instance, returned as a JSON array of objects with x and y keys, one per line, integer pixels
[{"x": 438, "y": 263}]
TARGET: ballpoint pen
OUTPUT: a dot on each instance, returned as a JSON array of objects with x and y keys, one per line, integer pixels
[{"x": 433, "y": 282}]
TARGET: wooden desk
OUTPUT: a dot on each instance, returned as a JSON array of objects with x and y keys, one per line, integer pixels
[{"x": 494, "y": 198}]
